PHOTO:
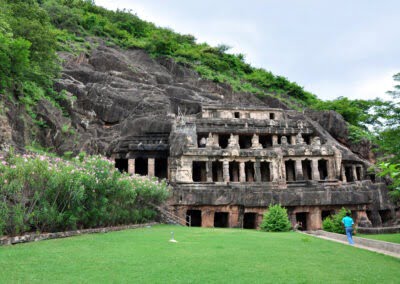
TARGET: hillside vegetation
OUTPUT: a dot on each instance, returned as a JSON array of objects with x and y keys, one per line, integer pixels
[{"x": 33, "y": 31}]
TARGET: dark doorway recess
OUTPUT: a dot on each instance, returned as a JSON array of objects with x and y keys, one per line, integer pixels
[
  {"x": 358, "y": 172},
  {"x": 301, "y": 220},
  {"x": 249, "y": 170},
  {"x": 141, "y": 166},
  {"x": 349, "y": 173},
  {"x": 223, "y": 140},
  {"x": 250, "y": 221},
  {"x": 323, "y": 169},
  {"x": 199, "y": 172},
  {"x": 272, "y": 116},
  {"x": 327, "y": 213},
  {"x": 265, "y": 140},
  {"x": 237, "y": 114},
  {"x": 121, "y": 165},
  {"x": 234, "y": 171},
  {"x": 386, "y": 216},
  {"x": 221, "y": 219},
  {"x": 245, "y": 141},
  {"x": 193, "y": 217},
  {"x": 306, "y": 165},
  {"x": 217, "y": 171},
  {"x": 161, "y": 167},
  {"x": 265, "y": 171},
  {"x": 290, "y": 170}
]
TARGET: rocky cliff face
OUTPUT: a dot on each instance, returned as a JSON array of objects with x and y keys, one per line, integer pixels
[{"x": 113, "y": 94}]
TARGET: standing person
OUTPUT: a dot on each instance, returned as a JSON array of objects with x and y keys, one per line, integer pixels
[{"x": 348, "y": 226}]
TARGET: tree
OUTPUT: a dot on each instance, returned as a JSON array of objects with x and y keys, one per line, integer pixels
[
  {"x": 275, "y": 220},
  {"x": 388, "y": 141}
]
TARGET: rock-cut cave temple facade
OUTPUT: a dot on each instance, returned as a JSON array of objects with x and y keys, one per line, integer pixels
[{"x": 228, "y": 164}]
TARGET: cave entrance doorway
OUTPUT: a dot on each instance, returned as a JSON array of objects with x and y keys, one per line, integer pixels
[
  {"x": 306, "y": 165},
  {"x": 199, "y": 171},
  {"x": 221, "y": 219},
  {"x": 249, "y": 170},
  {"x": 141, "y": 166},
  {"x": 250, "y": 220},
  {"x": 122, "y": 165},
  {"x": 290, "y": 170},
  {"x": 245, "y": 141},
  {"x": 234, "y": 171},
  {"x": 217, "y": 171},
  {"x": 161, "y": 168},
  {"x": 301, "y": 220},
  {"x": 265, "y": 171},
  {"x": 327, "y": 213},
  {"x": 386, "y": 216},
  {"x": 349, "y": 174},
  {"x": 265, "y": 140},
  {"x": 193, "y": 218},
  {"x": 323, "y": 169},
  {"x": 223, "y": 140}
]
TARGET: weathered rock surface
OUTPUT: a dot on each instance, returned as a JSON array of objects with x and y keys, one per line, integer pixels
[{"x": 114, "y": 94}]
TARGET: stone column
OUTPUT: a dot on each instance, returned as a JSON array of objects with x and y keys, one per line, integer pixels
[
  {"x": 257, "y": 171},
  {"x": 274, "y": 170},
  {"x": 331, "y": 169},
  {"x": 314, "y": 221},
  {"x": 274, "y": 140},
  {"x": 353, "y": 167},
  {"x": 242, "y": 174},
  {"x": 225, "y": 168},
  {"x": 361, "y": 173},
  {"x": 343, "y": 174},
  {"x": 293, "y": 139},
  {"x": 131, "y": 166},
  {"x": 299, "y": 170},
  {"x": 209, "y": 171},
  {"x": 314, "y": 167},
  {"x": 150, "y": 167},
  {"x": 207, "y": 218}
]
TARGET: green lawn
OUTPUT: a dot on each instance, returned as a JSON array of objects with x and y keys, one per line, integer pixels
[
  {"x": 200, "y": 256},
  {"x": 393, "y": 238}
]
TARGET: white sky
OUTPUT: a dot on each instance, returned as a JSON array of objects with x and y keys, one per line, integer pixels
[{"x": 332, "y": 48}]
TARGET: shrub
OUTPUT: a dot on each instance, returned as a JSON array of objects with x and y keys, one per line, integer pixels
[
  {"x": 275, "y": 220},
  {"x": 334, "y": 223},
  {"x": 44, "y": 193}
]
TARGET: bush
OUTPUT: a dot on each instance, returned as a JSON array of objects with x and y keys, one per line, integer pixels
[
  {"x": 43, "y": 193},
  {"x": 334, "y": 223},
  {"x": 275, "y": 220}
]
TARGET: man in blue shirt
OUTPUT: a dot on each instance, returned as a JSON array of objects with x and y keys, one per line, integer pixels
[{"x": 348, "y": 226}]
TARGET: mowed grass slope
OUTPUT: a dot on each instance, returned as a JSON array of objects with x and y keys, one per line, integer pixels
[
  {"x": 392, "y": 238},
  {"x": 200, "y": 256}
]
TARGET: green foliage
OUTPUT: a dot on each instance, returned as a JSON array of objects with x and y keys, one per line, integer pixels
[
  {"x": 334, "y": 224},
  {"x": 44, "y": 193},
  {"x": 391, "y": 170},
  {"x": 275, "y": 220}
]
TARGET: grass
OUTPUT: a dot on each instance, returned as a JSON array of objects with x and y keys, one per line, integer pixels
[
  {"x": 200, "y": 256},
  {"x": 392, "y": 238}
]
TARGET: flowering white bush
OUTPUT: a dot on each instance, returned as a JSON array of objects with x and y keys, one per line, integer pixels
[{"x": 45, "y": 193}]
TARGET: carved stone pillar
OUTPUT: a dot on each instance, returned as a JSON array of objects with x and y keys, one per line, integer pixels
[
  {"x": 299, "y": 170},
  {"x": 293, "y": 139},
  {"x": 257, "y": 171},
  {"x": 354, "y": 172},
  {"x": 274, "y": 140},
  {"x": 343, "y": 174},
  {"x": 225, "y": 168},
  {"x": 242, "y": 174},
  {"x": 315, "y": 171},
  {"x": 151, "y": 167},
  {"x": 209, "y": 171},
  {"x": 131, "y": 166},
  {"x": 331, "y": 169}
]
